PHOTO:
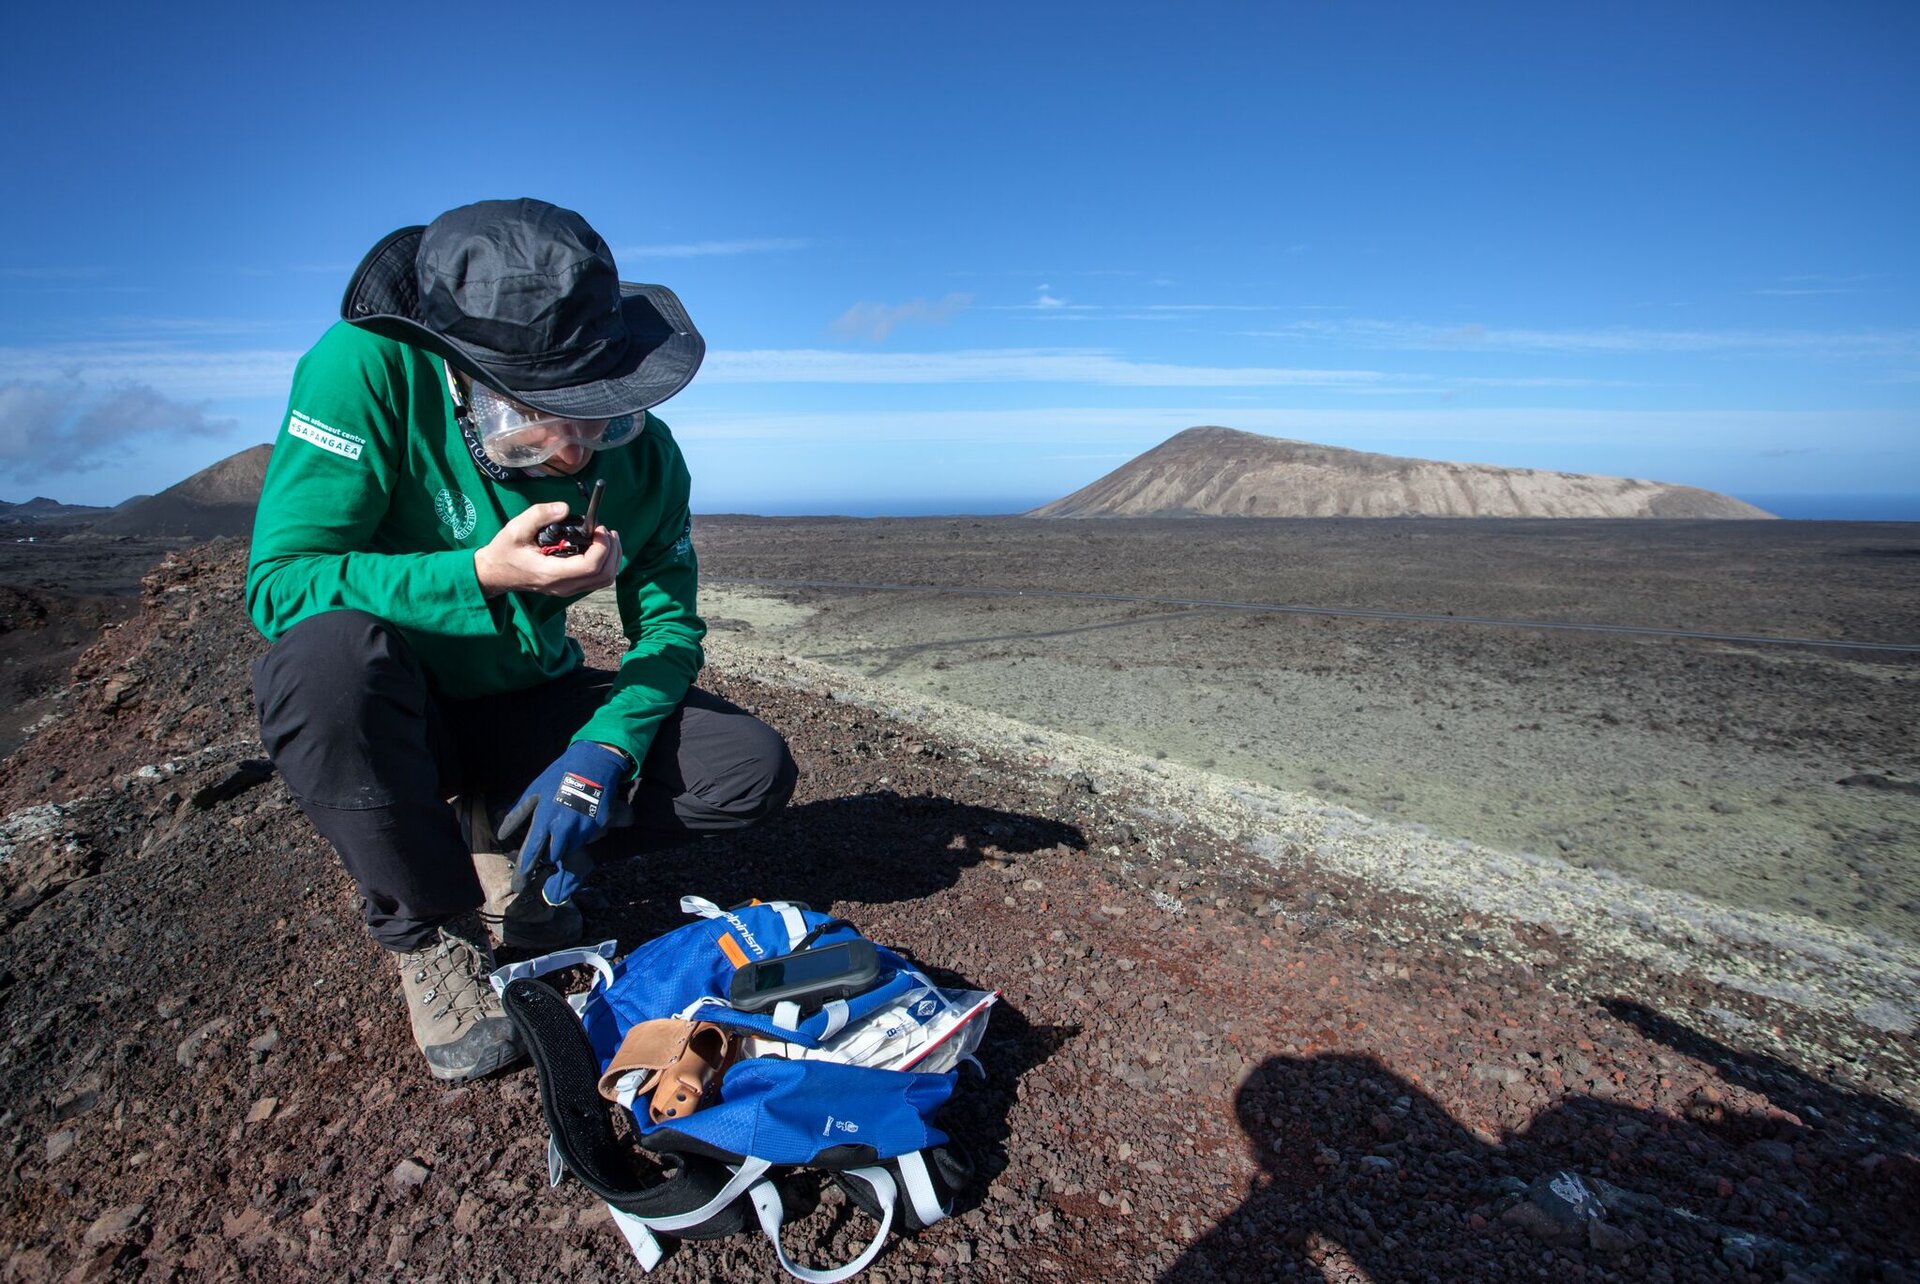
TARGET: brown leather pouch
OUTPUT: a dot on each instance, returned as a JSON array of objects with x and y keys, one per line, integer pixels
[
  {"x": 683, "y": 1085},
  {"x": 651, "y": 1046}
]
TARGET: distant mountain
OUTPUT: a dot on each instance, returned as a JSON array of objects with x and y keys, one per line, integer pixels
[
  {"x": 218, "y": 500},
  {"x": 1222, "y": 472},
  {"x": 42, "y": 509}
]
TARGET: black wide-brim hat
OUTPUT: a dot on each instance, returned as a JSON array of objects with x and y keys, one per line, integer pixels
[{"x": 524, "y": 297}]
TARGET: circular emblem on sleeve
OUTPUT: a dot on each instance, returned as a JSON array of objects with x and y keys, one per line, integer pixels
[{"x": 457, "y": 511}]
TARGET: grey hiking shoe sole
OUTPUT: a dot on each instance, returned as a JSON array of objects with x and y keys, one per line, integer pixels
[
  {"x": 458, "y": 1023},
  {"x": 487, "y": 1048}
]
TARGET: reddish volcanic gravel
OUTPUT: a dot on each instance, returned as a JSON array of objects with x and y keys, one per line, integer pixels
[{"x": 1202, "y": 1067}]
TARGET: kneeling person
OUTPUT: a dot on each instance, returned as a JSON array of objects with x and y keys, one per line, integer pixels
[{"x": 409, "y": 566}]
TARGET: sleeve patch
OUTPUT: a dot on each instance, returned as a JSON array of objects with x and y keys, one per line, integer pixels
[{"x": 344, "y": 444}]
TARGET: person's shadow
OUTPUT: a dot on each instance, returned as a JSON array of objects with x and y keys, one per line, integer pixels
[
  {"x": 869, "y": 848},
  {"x": 1361, "y": 1169}
]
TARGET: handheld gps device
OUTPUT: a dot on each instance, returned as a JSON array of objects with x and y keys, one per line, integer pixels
[{"x": 810, "y": 978}]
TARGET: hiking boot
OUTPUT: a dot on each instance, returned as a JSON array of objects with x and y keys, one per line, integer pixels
[
  {"x": 517, "y": 920},
  {"x": 457, "y": 1019}
]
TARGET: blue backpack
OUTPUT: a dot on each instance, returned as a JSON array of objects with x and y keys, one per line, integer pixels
[{"x": 850, "y": 1087}]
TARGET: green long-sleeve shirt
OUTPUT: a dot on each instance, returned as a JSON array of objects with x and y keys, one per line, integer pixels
[{"x": 373, "y": 503}]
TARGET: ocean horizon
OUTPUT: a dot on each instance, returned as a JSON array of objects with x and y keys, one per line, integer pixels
[
  {"x": 1802, "y": 508},
  {"x": 1839, "y": 508}
]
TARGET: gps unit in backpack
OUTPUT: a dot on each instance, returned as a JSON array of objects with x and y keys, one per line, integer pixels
[{"x": 810, "y": 978}]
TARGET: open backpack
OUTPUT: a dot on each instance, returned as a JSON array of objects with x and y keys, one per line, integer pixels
[{"x": 741, "y": 1060}]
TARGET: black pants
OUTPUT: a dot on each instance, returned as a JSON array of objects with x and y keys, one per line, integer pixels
[{"x": 371, "y": 753}]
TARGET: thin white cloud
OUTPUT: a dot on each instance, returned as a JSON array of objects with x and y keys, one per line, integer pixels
[
  {"x": 51, "y": 273},
  {"x": 1084, "y": 312},
  {"x": 1087, "y": 366},
  {"x": 1614, "y": 340},
  {"x": 171, "y": 369},
  {"x": 1060, "y": 310},
  {"x": 1046, "y": 298},
  {"x": 1053, "y": 309},
  {"x": 1007, "y": 365},
  {"x": 1133, "y": 428},
  {"x": 191, "y": 325},
  {"x": 708, "y": 249},
  {"x": 1530, "y": 381},
  {"x": 1179, "y": 311},
  {"x": 179, "y": 370},
  {"x": 875, "y": 321}
]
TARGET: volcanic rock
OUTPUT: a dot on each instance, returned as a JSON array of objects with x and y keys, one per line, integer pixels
[
  {"x": 113, "y": 1225},
  {"x": 1166, "y": 1096},
  {"x": 1222, "y": 472},
  {"x": 42, "y": 509},
  {"x": 218, "y": 500}
]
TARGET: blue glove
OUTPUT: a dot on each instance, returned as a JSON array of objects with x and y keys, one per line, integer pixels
[{"x": 567, "y": 807}]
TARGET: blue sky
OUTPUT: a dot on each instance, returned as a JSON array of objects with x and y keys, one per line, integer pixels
[{"x": 974, "y": 257}]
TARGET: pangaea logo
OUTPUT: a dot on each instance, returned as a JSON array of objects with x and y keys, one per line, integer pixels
[{"x": 457, "y": 511}]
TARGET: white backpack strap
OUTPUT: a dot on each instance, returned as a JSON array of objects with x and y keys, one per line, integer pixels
[
  {"x": 598, "y": 957},
  {"x": 704, "y": 1001},
  {"x": 786, "y": 1015},
  {"x": 646, "y": 1249},
  {"x": 700, "y": 905},
  {"x": 772, "y": 1214},
  {"x": 836, "y": 1010},
  {"x": 920, "y": 1192},
  {"x": 796, "y": 923},
  {"x": 744, "y": 1176}
]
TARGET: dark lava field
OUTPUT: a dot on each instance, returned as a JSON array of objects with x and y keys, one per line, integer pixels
[{"x": 1208, "y": 1064}]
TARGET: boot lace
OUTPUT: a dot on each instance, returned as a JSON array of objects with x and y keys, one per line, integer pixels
[{"x": 454, "y": 971}]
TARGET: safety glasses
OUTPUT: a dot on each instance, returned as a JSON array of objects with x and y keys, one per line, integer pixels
[{"x": 518, "y": 436}]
